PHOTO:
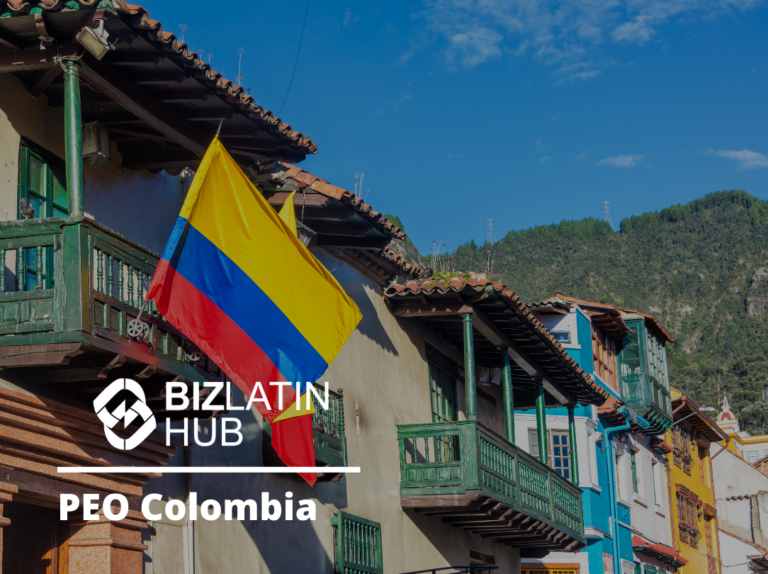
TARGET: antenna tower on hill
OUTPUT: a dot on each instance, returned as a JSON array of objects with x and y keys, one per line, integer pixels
[
  {"x": 607, "y": 212},
  {"x": 489, "y": 236}
]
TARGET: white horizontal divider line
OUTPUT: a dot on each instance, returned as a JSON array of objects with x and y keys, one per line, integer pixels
[{"x": 205, "y": 469}]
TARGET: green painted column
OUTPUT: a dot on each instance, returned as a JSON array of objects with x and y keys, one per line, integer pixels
[
  {"x": 541, "y": 422},
  {"x": 469, "y": 369},
  {"x": 573, "y": 445},
  {"x": 509, "y": 401},
  {"x": 73, "y": 138}
]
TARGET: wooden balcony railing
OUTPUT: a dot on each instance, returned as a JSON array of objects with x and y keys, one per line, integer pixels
[
  {"x": 329, "y": 437},
  {"x": 470, "y": 465},
  {"x": 80, "y": 283}
]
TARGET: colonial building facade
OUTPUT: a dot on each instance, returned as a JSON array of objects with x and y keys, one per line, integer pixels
[
  {"x": 101, "y": 114},
  {"x": 623, "y": 472}
]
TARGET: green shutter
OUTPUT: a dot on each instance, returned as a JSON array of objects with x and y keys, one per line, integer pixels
[
  {"x": 42, "y": 183},
  {"x": 633, "y": 461},
  {"x": 358, "y": 545}
]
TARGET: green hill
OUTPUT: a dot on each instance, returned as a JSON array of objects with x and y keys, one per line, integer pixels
[{"x": 700, "y": 268}]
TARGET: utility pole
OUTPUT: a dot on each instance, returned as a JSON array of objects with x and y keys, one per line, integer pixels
[
  {"x": 239, "y": 62},
  {"x": 359, "y": 183},
  {"x": 184, "y": 29},
  {"x": 607, "y": 213}
]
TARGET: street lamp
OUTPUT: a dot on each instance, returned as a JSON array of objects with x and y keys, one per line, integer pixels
[{"x": 701, "y": 410}]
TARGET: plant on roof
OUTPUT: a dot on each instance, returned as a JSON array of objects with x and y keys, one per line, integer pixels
[{"x": 448, "y": 275}]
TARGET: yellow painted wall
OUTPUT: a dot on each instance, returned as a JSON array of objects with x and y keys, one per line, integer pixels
[{"x": 703, "y": 487}]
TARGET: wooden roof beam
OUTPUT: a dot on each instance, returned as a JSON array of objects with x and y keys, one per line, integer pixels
[
  {"x": 44, "y": 79},
  {"x": 491, "y": 332},
  {"x": 10, "y": 41},
  {"x": 25, "y": 60},
  {"x": 142, "y": 106}
]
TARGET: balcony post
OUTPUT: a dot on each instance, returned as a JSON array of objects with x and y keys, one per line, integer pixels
[
  {"x": 509, "y": 401},
  {"x": 541, "y": 422},
  {"x": 572, "y": 445},
  {"x": 73, "y": 138},
  {"x": 469, "y": 369}
]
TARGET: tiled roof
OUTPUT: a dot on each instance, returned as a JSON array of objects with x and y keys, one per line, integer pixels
[
  {"x": 684, "y": 406},
  {"x": 477, "y": 283},
  {"x": 356, "y": 203},
  {"x": 139, "y": 19},
  {"x": 381, "y": 266},
  {"x": 659, "y": 551},
  {"x": 650, "y": 321}
]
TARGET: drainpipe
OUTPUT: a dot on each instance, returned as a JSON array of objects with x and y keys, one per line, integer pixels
[
  {"x": 73, "y": 138},
  {"x": 612, "y": 495}
]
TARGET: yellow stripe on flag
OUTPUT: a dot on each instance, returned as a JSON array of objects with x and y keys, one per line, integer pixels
[
  {"x": 288, "y": 213},
  {"x": 226, "y": 207},
  {"x": 294, "y": 411}
]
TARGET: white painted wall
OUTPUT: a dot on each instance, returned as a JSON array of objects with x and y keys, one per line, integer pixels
[
  {"x": 734, "y": 552},
  {"x": 650, "y": 518}
]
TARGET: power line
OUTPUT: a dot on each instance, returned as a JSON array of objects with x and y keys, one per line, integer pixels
[{"x": 295, "y": 63}]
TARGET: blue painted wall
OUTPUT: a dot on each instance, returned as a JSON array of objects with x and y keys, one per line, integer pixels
[{"x": 584, "y": 330}]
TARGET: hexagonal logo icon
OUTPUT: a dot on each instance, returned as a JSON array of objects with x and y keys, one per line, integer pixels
[{"x": 138, "y": 409}]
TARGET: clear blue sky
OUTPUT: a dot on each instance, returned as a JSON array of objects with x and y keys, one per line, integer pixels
[{"x": 527, "y": 113}]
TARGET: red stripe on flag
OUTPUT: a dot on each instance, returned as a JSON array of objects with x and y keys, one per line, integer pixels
[
  {"x": 219, "y": 337},
  {"x": 293, "y": 441}
]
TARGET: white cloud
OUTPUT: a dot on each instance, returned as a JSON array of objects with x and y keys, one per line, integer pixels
[
  {"x": 558, "y": 33},
  {"x": 556, "y": 116},
  {"x": 583, "y": 155},
  {"x": 350, "y": 18},
  {"x": 475, "y": 46},
  {"x": 545, "y": 159},
  {"x": 746, "y": 159},
  {"x": 407, "y": 95},
  {"x": 540, "y": 147},
  {"x": 622, "y": 160}
]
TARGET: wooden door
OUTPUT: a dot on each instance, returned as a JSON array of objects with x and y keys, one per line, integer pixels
[{"x": 31, "y": 544}]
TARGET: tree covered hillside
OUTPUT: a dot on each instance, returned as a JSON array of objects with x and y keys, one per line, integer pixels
[{"x": 700, "y": 268}]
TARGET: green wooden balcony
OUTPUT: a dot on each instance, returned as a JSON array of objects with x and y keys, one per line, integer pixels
[
  {"x": 475, "y": 479},
  {"x": 329, "y": 437},
  {"x": 644, "y": 377},
  {"x": 64, "y": 316}
]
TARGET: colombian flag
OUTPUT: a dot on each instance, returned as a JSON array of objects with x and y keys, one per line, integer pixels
[{"x": 237, "y": 281}]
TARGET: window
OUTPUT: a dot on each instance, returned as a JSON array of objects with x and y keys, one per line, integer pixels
[
  {"x": 658, "y": 483},
  {"x": 687, "y": 519},
  {"x": 357, "y": 544},
  {"x": 681, "y": 455},
  {"x": 648, "y": 569},
  {"x": 533, "y": 443},
  {"x": 559, "y": 450},
  {"x": 633, "y": 467},
  {"x": 752, "y": 456},
  {"x": 562, "y": 336},
  {"x": 561, "y": 454},
  {"x": 703, "y": 465},
  {"x": 42, "y": 183},
  {"x": 442, "y": 388},
  {"x": 604, "y": 357},
  {"x": 619, "y": 481},
  {"x": 591, "y": 458}
]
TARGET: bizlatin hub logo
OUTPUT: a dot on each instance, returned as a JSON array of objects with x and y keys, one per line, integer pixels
[
  {"x": 124, "y": 401},
  {"x": 138, "y": 409}
]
